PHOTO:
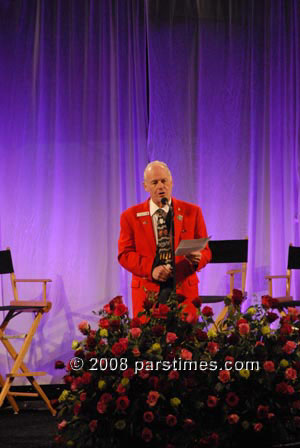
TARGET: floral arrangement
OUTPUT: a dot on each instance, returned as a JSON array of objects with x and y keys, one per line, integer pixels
[{"x": 170, "y": 379}]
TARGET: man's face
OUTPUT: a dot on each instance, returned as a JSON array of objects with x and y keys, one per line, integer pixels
[{"x": 158, "y": 183}]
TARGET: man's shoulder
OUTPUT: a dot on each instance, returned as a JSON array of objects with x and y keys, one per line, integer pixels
[
  {"x": 135, "y": 209},
  {"x": 184, "y": 205}
]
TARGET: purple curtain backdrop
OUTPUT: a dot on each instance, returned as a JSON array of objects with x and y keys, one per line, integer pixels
[{"x": 90, "y": 91}]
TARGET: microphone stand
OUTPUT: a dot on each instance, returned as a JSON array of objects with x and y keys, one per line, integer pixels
[{"x": 173, "y": 247}]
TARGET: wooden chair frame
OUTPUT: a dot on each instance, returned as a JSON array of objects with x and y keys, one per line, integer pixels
[
  {"x": 239, "y": 256},
  {"x": 17, "y": 307},
  {"x": 292, "y": 264}
]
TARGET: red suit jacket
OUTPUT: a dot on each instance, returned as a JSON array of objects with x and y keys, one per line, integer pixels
[{"x": 137, "y": 249}]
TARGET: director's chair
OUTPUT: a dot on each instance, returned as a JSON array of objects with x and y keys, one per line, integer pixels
[
  {"x": 228, "y": 251},
  {"x": 17, "y": 307},
  {"x": 293, "y": 263}
]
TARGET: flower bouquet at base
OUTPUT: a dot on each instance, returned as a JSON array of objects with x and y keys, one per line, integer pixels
[{"x": 174, "y": 380}]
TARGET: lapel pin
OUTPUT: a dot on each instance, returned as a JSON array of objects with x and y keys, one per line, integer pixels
[
  {"x": 180, "y": 217},
  {"x": 144, "y": 222}
]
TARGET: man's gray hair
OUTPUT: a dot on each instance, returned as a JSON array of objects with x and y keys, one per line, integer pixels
[{"x": 157, "y": 162}]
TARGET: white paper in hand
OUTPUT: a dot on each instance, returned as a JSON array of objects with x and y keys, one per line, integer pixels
[{"x": 187, "y": 246}]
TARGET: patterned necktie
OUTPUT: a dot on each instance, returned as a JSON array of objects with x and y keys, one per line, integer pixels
[{"x": 163, "y": 238}]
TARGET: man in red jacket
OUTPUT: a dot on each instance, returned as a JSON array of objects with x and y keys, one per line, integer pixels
[{"x": 144, "y": 232}]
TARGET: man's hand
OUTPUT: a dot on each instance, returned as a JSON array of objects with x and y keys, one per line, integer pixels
[
  {"x": 162, "y": 273},
  {"x": 194, "y": 257}
]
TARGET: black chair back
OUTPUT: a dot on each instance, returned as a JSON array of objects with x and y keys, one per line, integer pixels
[
  {"x": 294, "y": 258},
  {"x": 229, "y": 251},
  {"x": 6, "y": 265}
]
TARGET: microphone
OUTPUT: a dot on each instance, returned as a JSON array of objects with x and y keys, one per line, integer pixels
[{"x": 164, "y": 201}]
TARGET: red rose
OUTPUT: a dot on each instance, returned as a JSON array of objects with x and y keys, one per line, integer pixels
[
  {"x": 135, "y": 323},
  {"x": 148, "y": 416},
  {"x": 237, "y": 297},
  {"x": 120, "y": 309},
  {"x": 106, "y": 397},
  {"x": 68, "y": 379},
  {"x": 186, "y": 354},
  {"x": 212, "y": 401},
  {"x": 115, "y": 301},
  {"x": 93, "y": 425},
  {"x": 244, "y": 329},
  {"x": 268, "y": 302},
  {"x": 59, "y": 365},
  {"x": 147, "y": 435},
  {"x": 286, "y": 329},
  {"x": 197, "y": 302},
  {"x": 122, "y": 403},
  {"x": 201, "y": 335},
  {"x": 104, "y": 323},
  {"x": 171, "y": 420},
  {"x": 121, "y": 389},
  {"x": 76, "y": 409},
  {"x": 212, "y": 347},
  {"x": 161, "y": 311},
  {"x": 241, "y": 321},
  {"x": 257, "y": 427},
  {"x": 224, "y": 376},
  {"x": 101, "y": 407},
  {"x": 82, "y": 396},
  {"x": 118, "y": 349},
  {"x": 233, "y": 419},
  {"x": 262, "y": 411},
  {"x": 207, "y": 311},
  {"x": 188, "y": 423},
  {"x": 269, "y": 366},
  {"x": 136, "y": 352},
  {"x": 282, "y": 388},
  {"x": 232, "y": 399},
  {"x": 128, "y": 373},
  {"x": 171, "y": 337},
  {"x": 91, "y": 341},
  {"x": 86, "y": 378},
  {"x": 289, "y": 347},
  {"x": 173, "y": 375},
  {"x": 290, "y": 373}
]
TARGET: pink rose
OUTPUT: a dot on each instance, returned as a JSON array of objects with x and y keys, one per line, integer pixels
[
  {"x": 171, "y": 338},
  {"x": 122, "y": 403},
  {"x": 62, "y": 425},
  {"x": 148, "y": 417},
  {"x": 186, "y": 354},
  {"x": 290, "y": 373},
  {"x": 153, "y": 396},
  {"x": 212, "y": 401},
  {"x": 244, "y": 329},
  {"x": 171, "y": 420},
  {"x": 93, "y": 425},
  {"x": 147, "y": 435},
  {"x": 135, "y": 332},
  {"x": 84, "y": 327},
  {"x": 233, "y": 419}
]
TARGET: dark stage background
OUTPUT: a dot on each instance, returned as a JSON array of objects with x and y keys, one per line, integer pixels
[{"x": 91, "y": 91}]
